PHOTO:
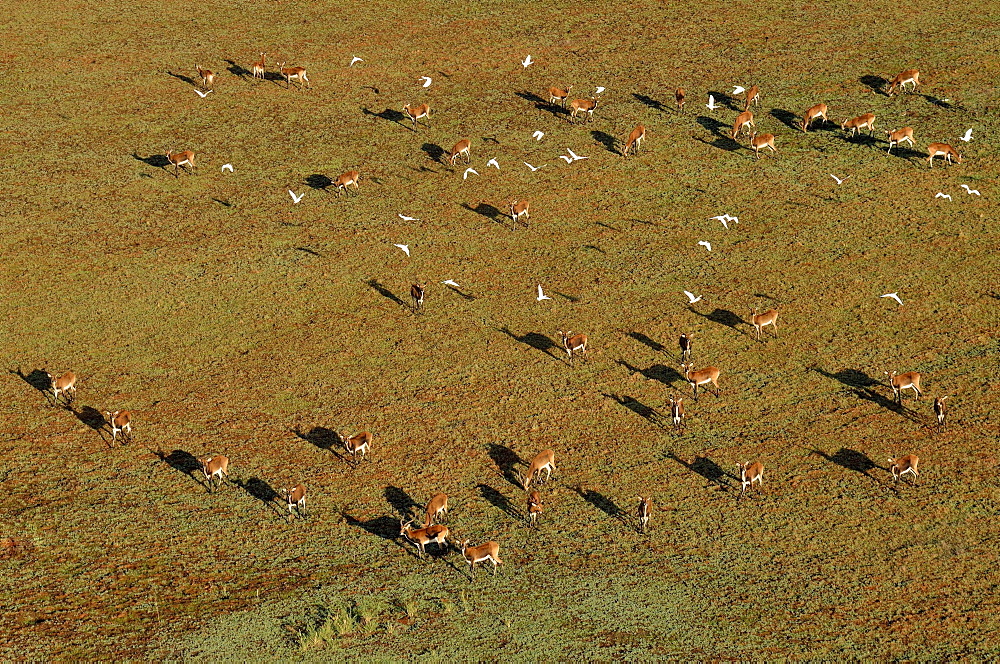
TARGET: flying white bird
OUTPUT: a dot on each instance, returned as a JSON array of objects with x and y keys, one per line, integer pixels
[
  {"x": 450, "y": 282},
  {"x": 541, "y": 295},
  {"x": 538, "y": 135},
  {"x": 599, "y": 89},
  {"x": 838, "y": 180},
  {"x": 894, "y": 296},
  {"x": 968, "y": 136},
  {"x": 725, "y": 218},
  {"x": 527, "y": 61},
  {"x": 404, "y": 247},
  {"x": 940, "y": 195},
  {"x": 738, "y": 89},
  {"x": 202, "y": 94},
  {"x": 227, "y": 166},
  {"x": 575, "y": 155},
  {"x": 534, "y": 168},
  {"x": 691, "y": 298},
  {"x": 405, "y": 218},
  {"x": 569, "y": 160},
  {"x": 969, "y": 190},
  {"x": 427, "y": 81},
  {"x": 355, "y": 60},
  {"x": 465, "y": 176},
  {"x": 711, "y": 105},
  {"x": 493, "y": 162},
  {"x": 707, "y": 245},
  {"x": 295, "y": 199}
]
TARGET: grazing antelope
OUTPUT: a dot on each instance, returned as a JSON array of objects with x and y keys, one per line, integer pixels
[
  {"x": 288, "y": 73},
  {"x": 685, "y": 342},
  {"x": 462, "y": 147},
  {"x": 760, "y": 141},
  {"x": 417, "y": 295},
  {"x": 911, "y": 380},
  {"x": 214, "y": 467},
  {"x": 436, "y": 506},
  {"x": 295, "y": 499},
  {"x": 180, "y": 159},
  {"x": 559, "y": 95},
  {"x": 677, "y": 411},
  {"x": 753, "y": 97},
  {"x": 904, "y": 465},
  {"x": 942, "y": 150},
  {"x": 750, "y": 473},
  {"x": 643, "y": 512},
  {"x": 358, "y": 444},
  {"x": 679, "y": 96},
  {"x": 544, "y": 460},
  {"x": 940, "y": 410},
  {"x": 424, "y": 536},
  {"x": 482, "y": 553},
  {"x": 120, "y": 422},
  {"x": 578, "y": 106},
  {"x": 519, "y": 209},
  {"x": 345, "y": 180},
  {"x": 65, "y": 383},
  {"x": 417, "y": 112},
  {"x": 572, "y": 343},
  {"x": 817, "y": 111},
  {"x": 743, "y": 121},
  {"x": 760, "y": 321},
  {"x": 207, "y": 77},
  {"x": 900, "y": 136},
  {"x": 258, "y": 68},
  {"x": 634, "y": 140},
  {"x": 535, "y": 506},
  {"x": 701, "y": 377},
  {"x": 902, "y": 78},
  {"x": 866, "y": 121}
]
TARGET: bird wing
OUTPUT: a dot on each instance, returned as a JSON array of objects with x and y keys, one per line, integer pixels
[
  {"x": 449, "y": 282},
  {"x": 225, "y": 166},
  {"x": 493, "y": 162},
  {"x": 568, "y": 159},
  {"x": 600, "y": 89},
  {"x": 538, "y": 135},
  {"x": 738, "y": 90}
]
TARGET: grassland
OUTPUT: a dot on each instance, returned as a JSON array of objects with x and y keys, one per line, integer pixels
[{"x": 231, "y": 321}]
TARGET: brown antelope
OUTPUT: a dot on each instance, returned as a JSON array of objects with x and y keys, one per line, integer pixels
[
  {"x": 120, "y": 422},
  {"x": 643, "y": 512},
  {"x": 358, "y": 444},
  {"x": 902, "y": 78},
  {"x": 940, "y": 410},
  {"x": 677, "y": 411},
  {"x": 904, "y": 465},
  {"x": 750, "y": 473},
  {"x": 760, "y": 321},
  {"x": 701, "y": 377},
  {"x": 462, "y": 147},
  {"x": 909, "y": 380},
  {"x": 482, "y": 553},
  {"x": 288, "y": 73},
  {"x": 180, "y": 159},
  {"x": 207, "y": 77},
  {"x": 899, "y": 136},
  {"x": 346, "y": 180},
  {"x": 417, "y": 112},
  {"x": 65, "y": 383},
  {"x": 685, "y": 342},
  {"x": 519, "y": 209},
  {"x": 743, "y": 121},
  {"x": 866, "y": 121},
  {"x": 942, "y": 150},
  {"x": 634, "y": 140},
  {"x": 572, "y": 343},
  {"x": 753, "y": 97},
  {"x": 417, "y": 295},
  {"x": 814, "y": 112},
  {"x": 214, "y": 467},
  {"x": 760, "y": 141},
  {"x": 258, "y": 68},
  {"x": 586, "y": 106},
  {"x": 424, "y": 536},
  {"x": 544, "y": 460},
  {"x": 559, "y": 95},
  {"x": 295, "y": 499},
  {"x": 679, "y": 95},
  {"x": 535, "y": 506},
  {"x": 436, "y": 506}
]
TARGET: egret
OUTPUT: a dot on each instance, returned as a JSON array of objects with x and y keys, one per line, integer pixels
[
  {"x": 355, "y": 60},
  {"x": 894, "y": 296},
  {"x": 968, "y": 136},
  {"x": 541, "y": 295},
  {"x": 574, "y": 155},
  {"x": 711, "y": 105},
  {"x": 538, "y": 135},
  {"x": 533, "y": 168},
  {"x": 838, "y": 180},
  {"x": 450, "y": 282},
  {"x": 527, "y": 61},
  {"x": 969, "y": 190},
  {"x": 738, "y": 89},
  {"x": 404, "y": 247},
  {"x": 295, "y": 199},
  {"x": 228, "y": 167},
  {"x": 465, "y": 176},
  {"x": 940, "y": 195},
  {"x": 691, "y": 298},
  {"x": 493, "y": 162},
  {"x": 405, "y": 218},
  {"x": 427, "y": 81},
  {"x": 202, "y": 94},
  {"x": 707, "y": 245}
]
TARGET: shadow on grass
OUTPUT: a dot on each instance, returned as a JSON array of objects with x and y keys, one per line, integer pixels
[
  {"x": 646, "y": 341},
  {"x": 181, "y": 461},
  {"x": 237, "y": 69},
  {"x": 877, "y": 84},
  {"x": 154, "y": 160},
  {"x": 468, "y": 297},
  {"x": 907, "y": 153},
  {"x": 262, "y": 491},
  {"x": 434, "y": 152},
  {"x": 601, "y": 502},
  {"x": 499, "y": 501},
  {"x": 400, "y": 501},
  {"x": 318, "y": 181},
  {"x": 187, "y": 79},
  {"x": 650, "y": 102},
  {"x": 607, "y": 140},
  {"x": 664, "y": 374},
  {"x": 390, "y": 115},
  {"x": 541, "y": 104},
  {"x": 488, "y": 211},
  {"x": 787, "y": 118},
  {"x": 647, "y": 412},
  {"x": 385, "y": 292},
  {"x": 848, "y": 377},
  {"x": 325, "y": 439},
  {"x": 706, "y": 468},
  {"x": 505, "y": 460},
  {"x": 722, "y": 317},
  {"x": 850, "y": 459},
  {"x": 532, "y": 339},
  {"x": 38, "y": 379},
  {"x": 92, "y": 417},
  {"x": 385, "y": 527}
]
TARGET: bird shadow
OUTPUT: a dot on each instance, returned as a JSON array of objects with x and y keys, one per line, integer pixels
[
  {"x": 468, "y": 297},
  {"x": 646, "y": 341},
  {"x": 642, "y": 410},
  {"x": 181, "y": 461},
  {"x": 601, "y": 502},
  {"x": 568, "y": 298},
  {"x": 608, "y": 226},
  {"x": 154, "y": 160},
  {"x": 324, "y": 439},
  {"x": 649, "y": 101},
  {"x": 311, "y": 252},
  {"x": 434, "y": 152},
  {"x": 318, "y": 181},
  {"x": 400, "y": 501},
  {"x": 937, "y": 101},
  {"x": 223, "y": 203},
  {"x": 488, "y": 211},
  {"x": 499, "y": 501},
  {"x": 187, "y": 79},
  {"x": 722, "y": 317},
  {"x": 38, "y": 379},
  {"x": 385, "y": 292},
  {"x": 727, "y": 100},
  {"x": 532, "y": 339},
  {"x": 787, "y": 118},
  {"x": 594, "y": 247},
  {"x": 389, "y": 114},
  {"x": 706, "y": 468},
  {"x": 877, "y": 84},
  {"x": 262, "y": 491},
  {"x": 660, "y": 372},
  {"x": 237, "y": 69},
  {"x": 605, "y": 139}
]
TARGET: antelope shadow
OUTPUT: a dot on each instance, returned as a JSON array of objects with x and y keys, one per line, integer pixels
[
  {"x": 864, "y": 387},
  {"x": 90, "y": 416},
  {"x": 490, "y": 212},
  {"x": 499, "y": 501},
  {"x": 660, "y": 372},
  {"x": 401, "y": 501},
  {"x": 646, "y": 341},
  {"x": 637, "y": 407},
  {"x": 706, "y": 468},
  {"x": 434, "y": 152},
  {"x": 727, "y": 100},
  {"x": 385, "y": 292},
  {"x": 654, "y": 104},
  {"x": 262, "y": 491},
  {"x": 542, "y": 104},
  {"x": 181, "y": 461},
  {"x": 722, "y": 317},
  {"x": 318, "y": 181},
  {"x": 532, "y": 339},
  {"x": 907, "y": 153},
  {"x": 601, "y": 502},
  {"x": 849, "y": 377},
  {"x": 324, "y": 439},
  {"x": 607, "y": 140},
  {"x": 787, "y": 118},
  {"x": 187, "y": 79},
  {"x": 385, "y": 527},
  {"x": 721, "y": 131},
  {"x": 850, "y": 459},
  {"x": 388, "y": 114},
  {"x": 877, "y": 84},
  {"x": 38, "y": 379},
  {"x": 237, "y": 69},
  {"x": 154, "y": 160},
  {"x": 505, "y": 459}
]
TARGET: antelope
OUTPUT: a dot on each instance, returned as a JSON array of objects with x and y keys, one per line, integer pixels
[
  {"x": 207, "y": 77},
  {"x": 346, "y": 180},
  {"x": 677, "y": 411},
  {"x": 295, "y": 498},
  {"x": 257, "y": 68},
  {"x": 436, "y": 506},
  {"x": 181, "y": 158},
  {"x": 942, "y": 150},
  {"x": 424, "y": 536},
  {"x": 760, "y": 321},
  {"x": 911, "y": 379},
  {"x": 643, "y": 511},
  {"x": 743, "y": 121},
  {"x": 940, "y": 410},
  {"x": 572, "y": 343},
  {"x": 750, "y": 473},
  {"x": 753, "y": 97},
  {"x": 417, "y": 295},
  {"x": 817, "y": 111},
  {"x": 685, "y": 342},
  {"x": 559, "y": 95},
  {"x": 899, "y": 136},
  {"x": 294, "y": 72},
  {"x": 866, "y": 121},
  {"x": 904, "y": 77},
  {"x": 535, "y": 506},
  {"x": 65, "y": 383},
  {"x": 120, "y": 422},
  {"x": 462, "y": 147},
  {"x": 701, "y": 377},
  {"x": 760, "y": 141},
  {"x": 578, "y": 106},
  {"x": 904, "y": 465},
  {"x": 519, "y": 209},
  {"x": 544, "y": 460},
  {"x": 417, "y": 112},
  {"x": 634, "y": 140},
  {"x": 482, "y": 553},
  {"x": 214, "y": 467},
  {"x": 358, "y": 444}
]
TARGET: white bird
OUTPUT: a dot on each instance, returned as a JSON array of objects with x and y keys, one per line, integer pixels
[
  {"x": 354, "y": 60},
  {"x": 541, "y": 295},
  {"x": 538, "y": 135},
  {"x": 534, "y": 168},
  {"x": 707, "y": 245},
  {"x": 969, "y": 190},
  {"x": 894, "y": 296},
  {"x": 465, "y": 176},
  {"x": 426, "y": 79},
  {"x": 838, "y": 180},
  {"x": 968, "y": 136},
  {"x": 527, "y": 61},
  {"x": 202, "y": 94},
  {"x": 450, "y": 282},
  {"x": 711, "y": 105},
  {"x": 227, "y": 166},
  {"x": 940, "y": 195},
  {"x": 405, "y": 218},
  {"x": 404, "y": 247},
  {"x": 691, "y": 298},
  {"x": 569, "y": 160},
  {"x": 725, "y": 219},
  {"x": 738, "y": 89},
  {"x": 599, "y": 89},
  {"x": 493, "y": 162},
  {"x": 575, "y": 155},
  {"x": 295, "y": 199}
]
